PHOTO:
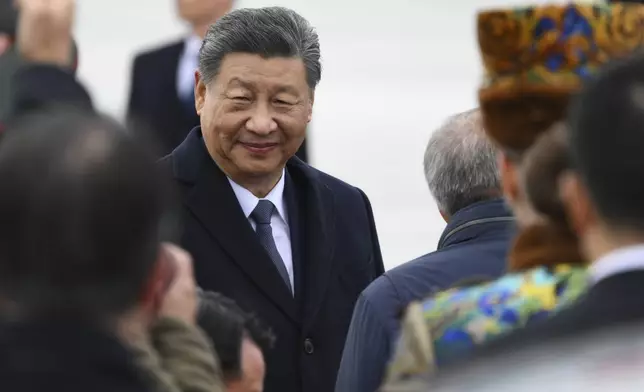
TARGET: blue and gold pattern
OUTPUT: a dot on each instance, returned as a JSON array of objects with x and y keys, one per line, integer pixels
[
  {"x": 460, "y": 319},
  {"x": 553, "y": 48}
]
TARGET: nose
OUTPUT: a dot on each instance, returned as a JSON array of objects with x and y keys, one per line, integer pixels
[{"x": 261, "y": 120}]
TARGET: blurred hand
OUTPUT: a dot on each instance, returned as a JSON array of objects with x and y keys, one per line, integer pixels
[
  {"x": 180, "y": 300},
  {"x": 45, "y": 30}
]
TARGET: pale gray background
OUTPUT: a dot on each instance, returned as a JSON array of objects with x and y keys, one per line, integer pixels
[{"x": 393, "y": 70}]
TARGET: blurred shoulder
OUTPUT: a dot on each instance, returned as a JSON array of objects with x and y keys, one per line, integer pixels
[{"x": 159, "y": 52}]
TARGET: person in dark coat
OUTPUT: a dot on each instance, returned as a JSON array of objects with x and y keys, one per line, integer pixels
[
  {"x": 299, "y": 267},
  {"x": 284, "y": 240},
  {"x": 461, "y": 171},
  {"x": 603, "y": 195}
]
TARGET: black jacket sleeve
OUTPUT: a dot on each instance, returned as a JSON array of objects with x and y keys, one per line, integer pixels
[
  {"x": 36, "y": 87},
  {"x": 377, "y": 262}
]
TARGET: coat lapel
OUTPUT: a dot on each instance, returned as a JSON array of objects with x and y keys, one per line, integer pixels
[
  {"x": 213, "y": 203},
  {"x": 317, "y": 212}
]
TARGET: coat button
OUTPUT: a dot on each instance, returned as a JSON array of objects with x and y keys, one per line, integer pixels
[{"x": 308, "y": 346}]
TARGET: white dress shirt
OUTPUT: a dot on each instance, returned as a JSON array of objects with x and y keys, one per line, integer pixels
[
  {"x": 279, "y": 220},
  {"x": 621, "y": 260},
  {"x": 188, "y": 63}
]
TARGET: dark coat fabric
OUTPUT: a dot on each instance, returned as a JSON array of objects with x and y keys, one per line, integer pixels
[
  {"x": 474, "y": 245},
  {"x": 54, "y": 354},
  {"x": 154, "y": 104},
  {"x": 335, "y": 256}
]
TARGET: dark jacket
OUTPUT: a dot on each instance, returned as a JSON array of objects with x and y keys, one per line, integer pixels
[
  {"x": 65, "y": 355},
  {"x": 473, "y": 245},
  {"x": 154, "y": 104},
  {"x": 335, "y": 256}
]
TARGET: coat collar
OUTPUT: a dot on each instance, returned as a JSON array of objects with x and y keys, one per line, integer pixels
[
  {"x": 213, "y": 202},
  {"x": 484, "y": 218}
]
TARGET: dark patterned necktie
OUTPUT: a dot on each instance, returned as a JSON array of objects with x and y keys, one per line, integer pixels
[{"x": 262, "y": 216}]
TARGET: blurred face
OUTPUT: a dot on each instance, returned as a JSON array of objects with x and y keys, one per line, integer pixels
[
  {"x": 513, "y": 193},
  {"x": 253, "y": 370},
  {"x": 254, "y": 114},
  {"x": 581, "y": 214},
  {"x": 203, "y": 11}
]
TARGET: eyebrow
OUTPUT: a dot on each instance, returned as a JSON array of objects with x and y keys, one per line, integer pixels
[
  {"x": 237, "y": 82},
  {"x": 234, "y": 82}
]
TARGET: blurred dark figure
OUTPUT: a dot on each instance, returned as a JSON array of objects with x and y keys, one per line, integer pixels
[
  {"x": 604, "y": 193},
  {"x": 10, "y": 59},
  {"x": 81, "y": 209},
  {"x": 239, "y": 339}
]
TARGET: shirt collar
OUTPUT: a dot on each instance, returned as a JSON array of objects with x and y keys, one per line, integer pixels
[
  {"x": 621, "y": 260},
  {"x": 192, "y": 45},
  {"x": 248, "y": 201}
]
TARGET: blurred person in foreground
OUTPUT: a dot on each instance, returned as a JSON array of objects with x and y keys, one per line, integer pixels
[
  {"x": 281, "y": 238},
  {"x": 604, "y": 199},
  {"x": 461, "y": 171},
  {"x": 84, "y": 212},
  {"x": 546, "y": 263},
  {"x": 604, "y": 195},
  {"x": 240, "y": 340},
  {"x": 80, "y": 287},
  {"x": 162, "y": 84}
]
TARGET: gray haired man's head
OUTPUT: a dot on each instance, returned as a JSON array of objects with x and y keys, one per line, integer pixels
[
  {"x": 460, "y": 164},
  {"x": 268, "y": 32}
]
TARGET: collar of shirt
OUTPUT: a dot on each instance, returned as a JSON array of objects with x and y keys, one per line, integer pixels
[
  {"x": 621, "y": 260},
  {"x": 192, "y": 46},
  {"x": 188, "y": 63},
  {"x": 248, "y": 201}
]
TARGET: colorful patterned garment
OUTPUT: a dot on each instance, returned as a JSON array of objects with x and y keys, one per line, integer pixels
[{"x": 450, "y": 324}]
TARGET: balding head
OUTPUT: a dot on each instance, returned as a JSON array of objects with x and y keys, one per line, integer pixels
[
  {"x": 460, "y": 163},
  {"x": 81, "y": 209}
]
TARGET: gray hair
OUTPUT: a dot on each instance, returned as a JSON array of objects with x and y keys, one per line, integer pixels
[
  {"x": 460, "y": 163},
  {"x": 268, "y": 32}
]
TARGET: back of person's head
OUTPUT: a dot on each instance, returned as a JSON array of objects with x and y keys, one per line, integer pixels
[
  {"x": 607, "y": 143},
  {"x": 82, "y": 206},
  {"x": 228, "y": 326},
  {"x": 460, "y": 164}
]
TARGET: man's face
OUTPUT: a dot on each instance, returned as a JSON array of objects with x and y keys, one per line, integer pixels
[
  {"x": 253, "y": 370},
  {"x": 254, "y": 114},
  {"x": 203, "y": 11}
]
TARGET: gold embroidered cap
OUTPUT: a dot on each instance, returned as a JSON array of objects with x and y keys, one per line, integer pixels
[{"x": 535, "y": 58}]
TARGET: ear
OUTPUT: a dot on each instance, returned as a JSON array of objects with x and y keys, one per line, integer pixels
[
  {"x": 200, "y": 92},
  {"x": 576, "y": 200},
  {"x": 309, "y": 115},
  {"x": 509, "y": 177}
]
